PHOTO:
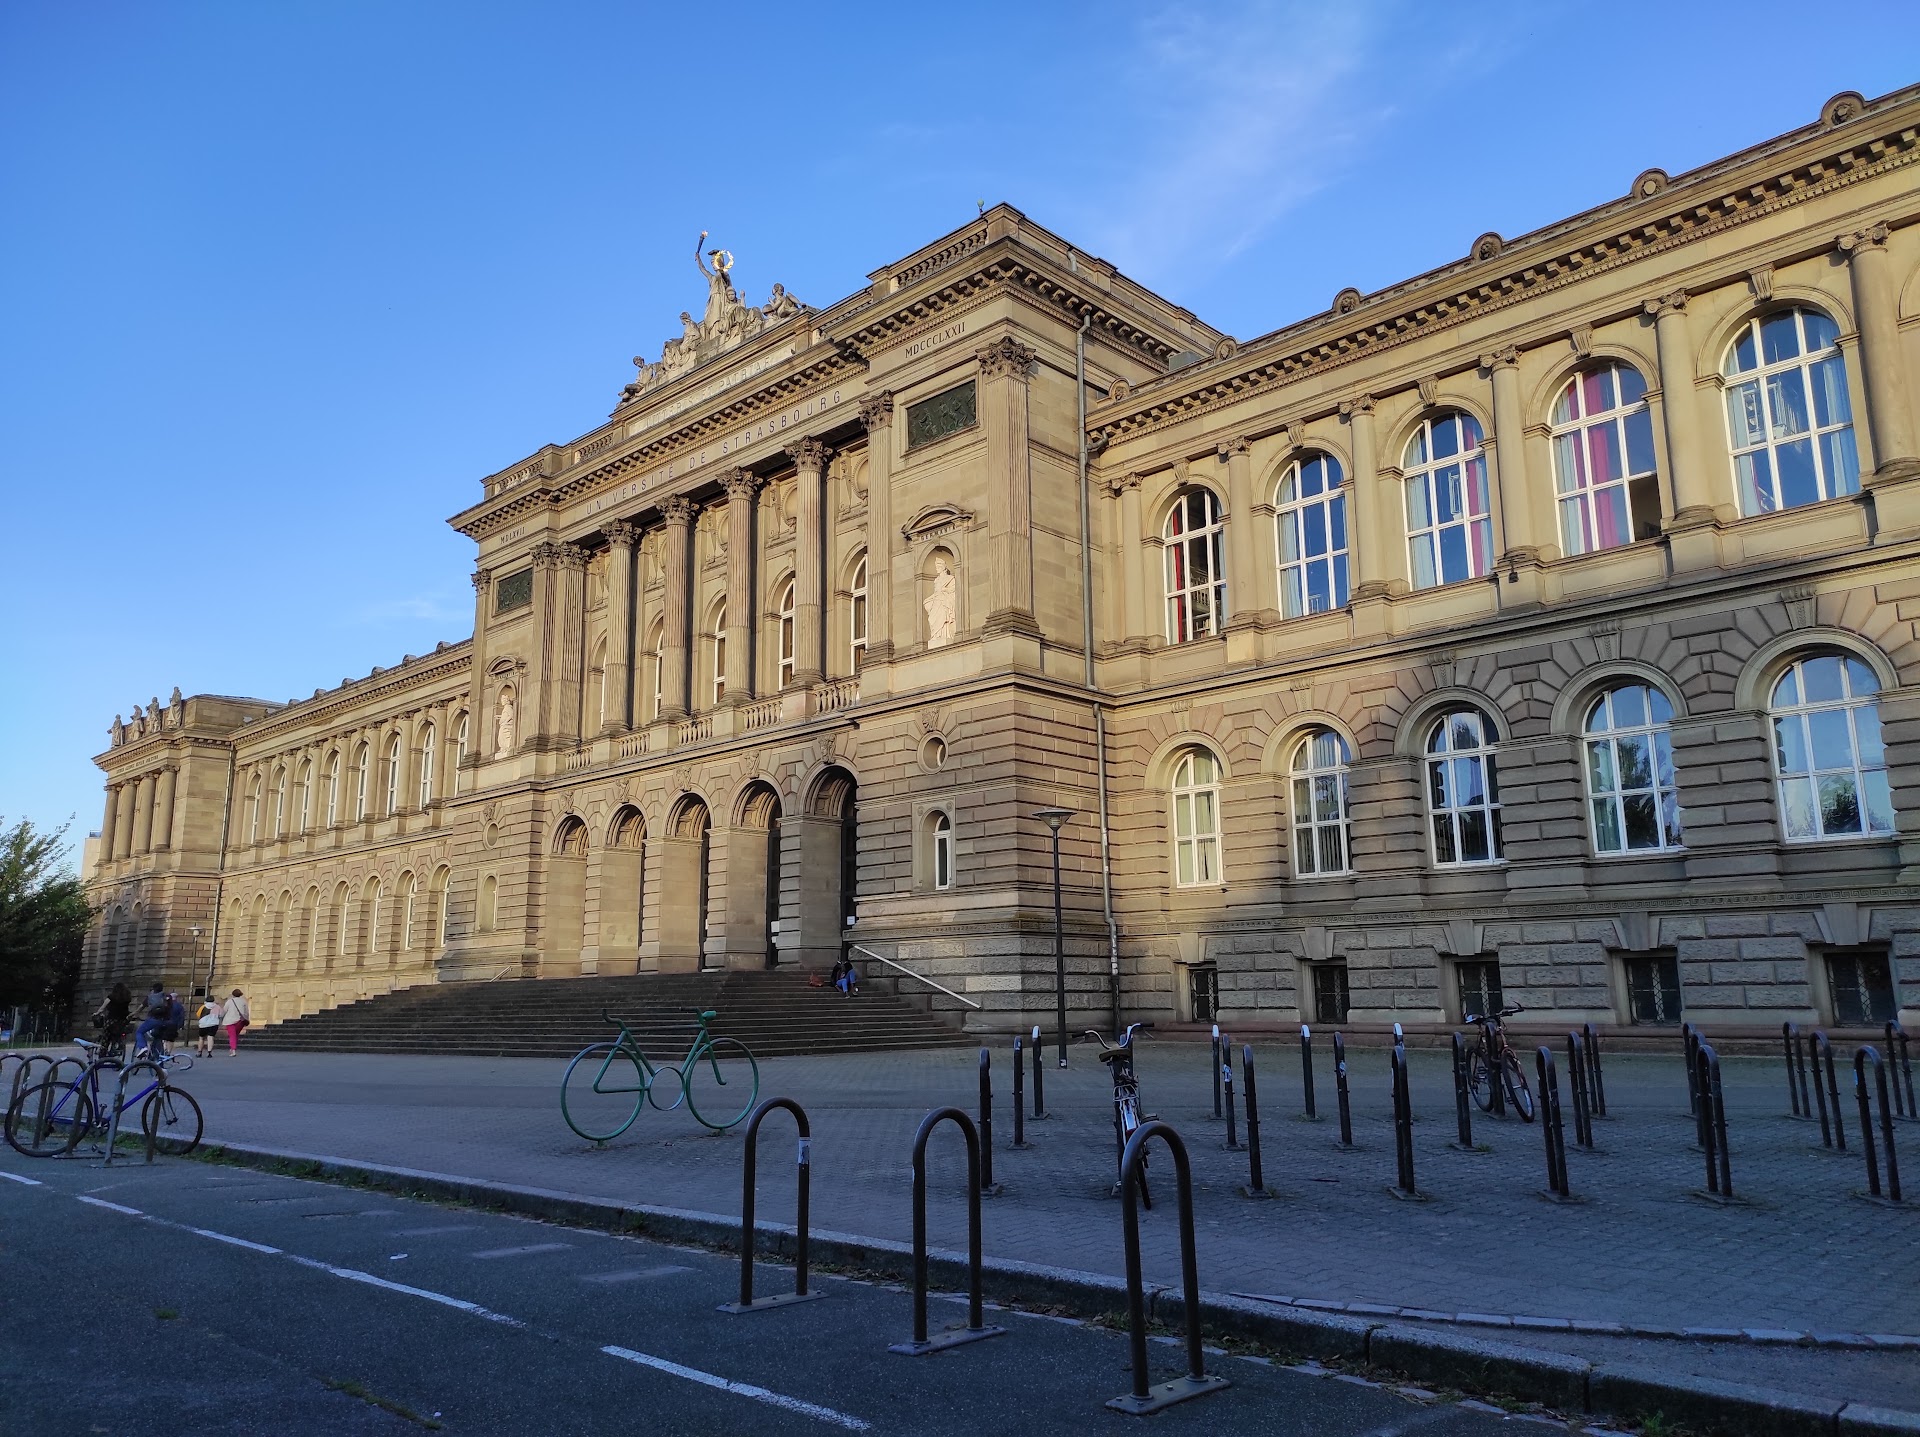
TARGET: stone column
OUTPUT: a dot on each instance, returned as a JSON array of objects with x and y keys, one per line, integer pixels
[
  {"x": 676, "y": 601},
  {"x": 163, "y": 808},
  {"x": 1379, "y": 509},
  {"x": 1134, "y": 582},
  {"x": 617, "y": 682},
  {"x": 1523, "y": 540},
  {"x": 1004, "y": 366},
  {"x": 741, "y": 488},
  {"x": 109, "y": 824},
  {"x": 143, "y": 814},
  {"x": 1693, "y": 487},
  {"x": 810, "y": 545},
  {"x": 480, "y": 721},
  {"x": 1243, "y": 596},
  {"x": 876, "y": 413},
  {"x": 1876, "y": 298},
  {"x": 570, "y": 642}
]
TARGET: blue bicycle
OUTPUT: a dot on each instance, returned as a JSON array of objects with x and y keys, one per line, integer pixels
[{"x": 51, "y": 1118}]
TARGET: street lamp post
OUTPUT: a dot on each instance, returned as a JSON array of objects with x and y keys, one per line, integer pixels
[{"x": 1053, "y": 818}]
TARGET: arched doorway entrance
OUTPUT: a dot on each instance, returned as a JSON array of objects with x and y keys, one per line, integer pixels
[
  {"x": 566, "y": 901},
  {"x": 685, "y": 859},
  {"x": 829, "y": 867},
  {"x": 621, "y": 888},
  {"x": 753, "y": 880}
]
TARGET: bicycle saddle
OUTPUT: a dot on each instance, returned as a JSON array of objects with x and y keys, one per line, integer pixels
[
  {"x": 1114, "y": 1055},
  {"x": 708, "y": 1016}
]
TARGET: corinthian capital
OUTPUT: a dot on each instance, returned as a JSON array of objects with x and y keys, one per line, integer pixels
[
  {"x": 807, "y": 453},
  {"x": 572, "y": 556},
  {"x": 1005, "y": 356},
  {"x": 482, "y": 577},
  {"x": 1666, "y": 304},
  {"x": 680, "y": 510},
  {"x": 740, "y": 485},
  {"x": 619, "y": 531},
  {"x": 876, "y": 410},
  {"x": 1874, "y": 236},
  {"x": 546, "y": 556}
]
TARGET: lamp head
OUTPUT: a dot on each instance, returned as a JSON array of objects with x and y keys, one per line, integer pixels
[{"x": 1053, "y": 817}]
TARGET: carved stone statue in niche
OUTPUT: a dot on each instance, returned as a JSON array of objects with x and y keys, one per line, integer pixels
[
  {"x": 505, "y": 723},
  {"x": 942, "y": 604}
]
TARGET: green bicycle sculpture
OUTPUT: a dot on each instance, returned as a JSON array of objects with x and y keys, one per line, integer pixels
[{"x": 607, "y": 1084}]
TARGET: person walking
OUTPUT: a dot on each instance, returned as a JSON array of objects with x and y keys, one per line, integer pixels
[
  {"x": 176, "y": 1020},
  {"x": 234, "y": 1017},
  {"x": 206, "y": 1022}
]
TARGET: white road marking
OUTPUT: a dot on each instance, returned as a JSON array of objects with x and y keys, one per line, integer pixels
[
  {"x": 631, "y": 1274},
  {"x": 355, "y": 1275},
  {"x": 527, "y": 1251},
  {"x": 739, "y": 1389},
  {"x": 436, "y": 1231},
  {"x": 26, "y": 1182},
  {"x": 113, "y": 1206},
  {"x": 235, "y": 1241}
]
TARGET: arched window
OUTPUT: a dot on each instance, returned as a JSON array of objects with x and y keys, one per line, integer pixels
[
  {"x": 1311, "y": 515},
  {"x": 373, "y": 916},
  {"x": 392, "y": 777},
  {"x": 1630, "y": 789},
  {"x": 253, "y": 810},
  {"x": 340, "y": 901},
  {"x": 1603, "y": 467},
  {"x": 1789, "y": 420},
  {"x": 1449, "y": 524},
  {"x": 857, "y": 617},
  {"x": 1319, "y": 772},
  {"x": 303, "y": 798},
  {"x": 1463, "y": 793},
  {"x": 427, "y": 737},
  {"x": 411, "y": 901},
  {"x": 1827, "y": 751},
  {"x": 489, "y": 901},
  {"x": 1196, "y": 819},
  {"x": 1196, "y": 567},
  {"x": 333, "y": 789},
  {"x": 279, "y": 804},
  {"x": 659, "y": 666},
  {"x": 719, "y": 652},
  {"x": 362, "y": 761},
  {"x": 940, "y": 843},
  {"x": 460, "y": 754},
  {"x": 785, "y": 646}
]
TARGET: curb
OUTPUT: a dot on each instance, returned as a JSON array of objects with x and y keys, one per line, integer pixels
[{"x": 1433, "y": 1358}]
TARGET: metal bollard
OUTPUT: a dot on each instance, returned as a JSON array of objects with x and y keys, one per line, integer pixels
[
  {"x": 1822, "y": 1049},
  {"x": 1596, "y": 1084},
  {"x": 1577, "y": 1075},
  {"x": 1340, "y": 1086},
  {"x": 1404, "y": 1186},
  {"x": 1039, "y": 1079},
  {"x": 976, "y": 1329},
  {"x": 1552, "y": 1127},
  {"x": 1306, "y": 1074},
  {"x": 1901, "y": 1062},
  {"x": 1790, "y": 1040},
  {"x": 1226, "y": 1086},
  {"x": 1690, "y": 1042},
  {"x": 1019, "y": 1098},
  {"x": 1256, "y": 1182},
  {"x": 988, "y": 1187},
  {"x": 1216, "y": 1073},
  {"x": 1860, "y": 1059},
  {"x": 1713, "y": 1100},
  {"x": 1463, "y": 1117},
  {"x": 1145, "y": 1398},
  {"x": 750, "y": 1158}
]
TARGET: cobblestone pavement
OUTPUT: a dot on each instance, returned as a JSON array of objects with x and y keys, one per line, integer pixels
[{"x": 1800, "y": 1253}]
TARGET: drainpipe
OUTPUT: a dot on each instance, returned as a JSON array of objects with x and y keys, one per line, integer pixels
[
  {"x": 1099, "y": 709},
  {"x": 220, "y": 873}
]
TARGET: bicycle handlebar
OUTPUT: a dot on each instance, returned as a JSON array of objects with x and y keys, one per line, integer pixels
[{"x": 1503, "y": 1013}]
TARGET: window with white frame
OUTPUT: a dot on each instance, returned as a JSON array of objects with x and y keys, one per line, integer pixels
[
  {"x": 427, "y": 737},
  {"x": 392, "y": 784},
  {"x": 719, "y": 653},
  {"x": 363, "y": 760},
  {"x": 1463, "y": 793},
  {"x": 784, "y": 616},
  {"x": 940, "y": 844},
  {"x": 460, "y": 755},
  {"x": 333, "y": 790},
  {"x": 373, "y": 916},
  {"x": 1789, "y": 417},
  {"x": 1196, "y": 819},
  {"x": 857, "y": 617},
  {"x": 279, "y": 804},
  {"x": 303, "y": 798},
  {"x": 253, "y": 811},
  {"x": 1319, "y": 772},
  {"x": 659, "y": 670},
  {"x": 1630, "y": 788},
  {"x": 412, "y": 898},
  {"x": 1603, "y": 469},
  {"x": 1195, "y": 544},
  {"x": 1310, "y": 513},
  {"x": 1827, "y": 751},
  {"x": 1449, "y": 519}
]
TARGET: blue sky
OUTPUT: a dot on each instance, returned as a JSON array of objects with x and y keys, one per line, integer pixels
[{"x": 280, "y": 282}]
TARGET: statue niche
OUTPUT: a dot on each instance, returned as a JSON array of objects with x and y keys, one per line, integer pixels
[
  {"x": 505, "y": 722},
  {"x": 942, "y": 603}
]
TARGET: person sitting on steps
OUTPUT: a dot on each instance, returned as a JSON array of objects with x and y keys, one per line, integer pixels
[{"x": 846, "y": 977}]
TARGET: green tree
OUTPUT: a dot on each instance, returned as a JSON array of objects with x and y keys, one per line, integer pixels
[{"x": 44, "y": 915}]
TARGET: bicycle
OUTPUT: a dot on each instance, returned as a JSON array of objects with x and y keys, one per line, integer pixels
[
  {"x": 1492, "y": 1051},
  {"x": 1127, "y": 1117},
  {"x": 707, "y": 1091},
  {"x": 50, "y": 1119}
]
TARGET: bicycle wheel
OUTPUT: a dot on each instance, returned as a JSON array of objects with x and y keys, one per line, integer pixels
[
  {"x": 1480, "y": 1080},
  {"x": 721, "y": 1084},
  {"x": 1516, "y": 1083},
  {"x": 1129, "y": 1125},
  {"x": 172, "y": 1113},
  {"x": 602, "y": 1092},
  {"x": 47, "y": 1120}
]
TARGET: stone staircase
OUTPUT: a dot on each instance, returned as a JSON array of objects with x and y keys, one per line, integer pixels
[{"x": 774, "y": 1013}]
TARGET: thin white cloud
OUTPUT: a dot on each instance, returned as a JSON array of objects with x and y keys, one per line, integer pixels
[{"x": 410, "y": 606}]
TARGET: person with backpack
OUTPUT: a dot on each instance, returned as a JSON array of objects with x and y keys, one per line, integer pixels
[
  {"x": 206, "y": 1022},
  {"x": 111, "y": 1018},
  {"x": 176, "y": 1020},
  {"x": 235, "y": 1015},
  {"x": 158, "y": 1005}
]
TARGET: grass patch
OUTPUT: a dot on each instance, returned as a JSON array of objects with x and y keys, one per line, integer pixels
[
  {"x": 385, "y": 1404},
  {"x": 166, "y": 1314}
]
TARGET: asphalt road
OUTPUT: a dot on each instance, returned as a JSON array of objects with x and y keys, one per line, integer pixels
[{"x": 190, "y": 1298}]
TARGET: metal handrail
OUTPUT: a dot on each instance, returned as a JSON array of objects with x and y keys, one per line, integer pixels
[{"x": 911, "y": 974}]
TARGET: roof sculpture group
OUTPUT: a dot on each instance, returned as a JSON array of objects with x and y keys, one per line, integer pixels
[{"x": 729, "y": 321}]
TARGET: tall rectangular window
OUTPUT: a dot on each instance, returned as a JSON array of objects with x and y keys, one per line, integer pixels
[
  {"x": 1330, "y": 995},
  {"x": 1479, "y": 981},
  {"x": 1860, "y": 982},
  {"x": 1653, "y": 987}
]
